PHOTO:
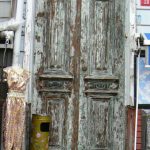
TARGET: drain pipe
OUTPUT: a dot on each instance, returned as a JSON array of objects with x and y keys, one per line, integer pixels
[
  {"x": 29, "y": 44},
  {"x": 137, "y": 95},
  {"x": 28, "y": 53},
  {"x": 137, "y": 102},
  {"x": 17, "y": 41}
]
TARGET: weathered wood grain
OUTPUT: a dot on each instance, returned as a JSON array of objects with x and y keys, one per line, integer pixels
[
  {"x": 81, "y": 42},
  {"x": 56, "y": 108},
  {"x": 98, "y": 123}
]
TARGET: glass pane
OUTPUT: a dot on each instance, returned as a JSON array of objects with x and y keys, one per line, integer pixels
[
  {"x": 5, "y": 9},
  {"x": 144, "y": 82}
]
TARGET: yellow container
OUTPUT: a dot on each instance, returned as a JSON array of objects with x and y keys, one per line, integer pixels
[{"x": 40, "y": 132}]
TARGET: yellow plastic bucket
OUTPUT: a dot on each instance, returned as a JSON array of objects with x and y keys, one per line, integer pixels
[{"x": 40, "y": 132}]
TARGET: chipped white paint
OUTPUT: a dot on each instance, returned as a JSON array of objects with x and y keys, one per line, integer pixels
[
  {"x": 130, "y": 46},
  {"x": 83, "y": 110},
  {"x": 58, "y": 55},
  {"x": 38, "y": 53},
  {"x": 83, "y": 117},
  {"x": 101, "y": 54},
  {"x": 17, "y": 41},
  {"x": 12, "y": 24},
  {"x": 29, "y": 45}
]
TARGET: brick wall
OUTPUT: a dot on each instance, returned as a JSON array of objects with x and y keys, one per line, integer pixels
[
  {"x": 139, "y": 131},
  {"x": 131, "y": 130}
]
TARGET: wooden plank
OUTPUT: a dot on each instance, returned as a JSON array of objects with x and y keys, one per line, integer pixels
[
  {"x": 102, "y": 77},
  {"x": 49, "y": 76},
  {"x": 102, "y": 91},
  {"x": 54, "y": 91},
  {"x": 75, "y": 34}
]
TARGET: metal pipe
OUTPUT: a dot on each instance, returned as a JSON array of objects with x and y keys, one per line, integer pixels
[
  {"x": 29, "y": 44},
  {"x": 137, "y": 96},
  {"x": 28, "y": 50},
  {"x": 17, "y": 42}
]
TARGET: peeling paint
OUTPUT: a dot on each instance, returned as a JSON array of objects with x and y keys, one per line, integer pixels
[{"x": 75, "y": 40}]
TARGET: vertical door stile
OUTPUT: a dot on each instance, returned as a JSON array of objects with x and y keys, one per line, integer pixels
[{"x": 75, "y": 26}]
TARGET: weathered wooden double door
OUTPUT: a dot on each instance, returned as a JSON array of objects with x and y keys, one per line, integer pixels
[{"x": 77, "y": 79}]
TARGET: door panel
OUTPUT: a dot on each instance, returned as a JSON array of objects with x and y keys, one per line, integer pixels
[
  {"x": 75, "y": 77},
  {"x": 98, "y": 28},
  {"x": 57, "y": 53},
  {"x": 57, "y": 109},
  {"x": 94, "y": 40},
  {"x": 98, "y": 123}
]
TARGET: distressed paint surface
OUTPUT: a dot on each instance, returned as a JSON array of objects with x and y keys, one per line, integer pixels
[
  {"x": 109, "y": 46},
  {"x": 79, "y": 63},
  {"x": 98, "y": 28},
  {"x": 148, "y": 131},
  {"x": 130, "y": 45},
  {"x": 98, "y": 123},
  {"x": 57, "y": 55},
  {"x": 56, "y": 110}
]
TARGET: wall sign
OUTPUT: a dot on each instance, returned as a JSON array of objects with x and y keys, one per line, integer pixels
[{"x": 145, "y": 2}]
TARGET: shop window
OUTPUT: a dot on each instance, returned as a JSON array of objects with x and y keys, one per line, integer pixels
[{"x": 144, "y": 82}]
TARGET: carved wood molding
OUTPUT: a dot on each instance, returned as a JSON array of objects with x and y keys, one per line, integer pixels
[
  {"x": 102, "y": 85},
  {"x": 55, "y": 83}
]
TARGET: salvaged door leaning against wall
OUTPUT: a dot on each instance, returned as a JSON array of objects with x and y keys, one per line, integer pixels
[{"x": 76, "y": 83}]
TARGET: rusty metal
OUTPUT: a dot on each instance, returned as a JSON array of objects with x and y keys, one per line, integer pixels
[{"x": 40, "y": 132}]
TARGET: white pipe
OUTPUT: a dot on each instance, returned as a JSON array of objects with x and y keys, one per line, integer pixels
[
  {"x": 28, "y": 51},
  {"x": 29, "y": 44},
  {"x": 137, "y": 102},
  {"x": 17, "y": 42},
  {"x": 12, "y": 24}
]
